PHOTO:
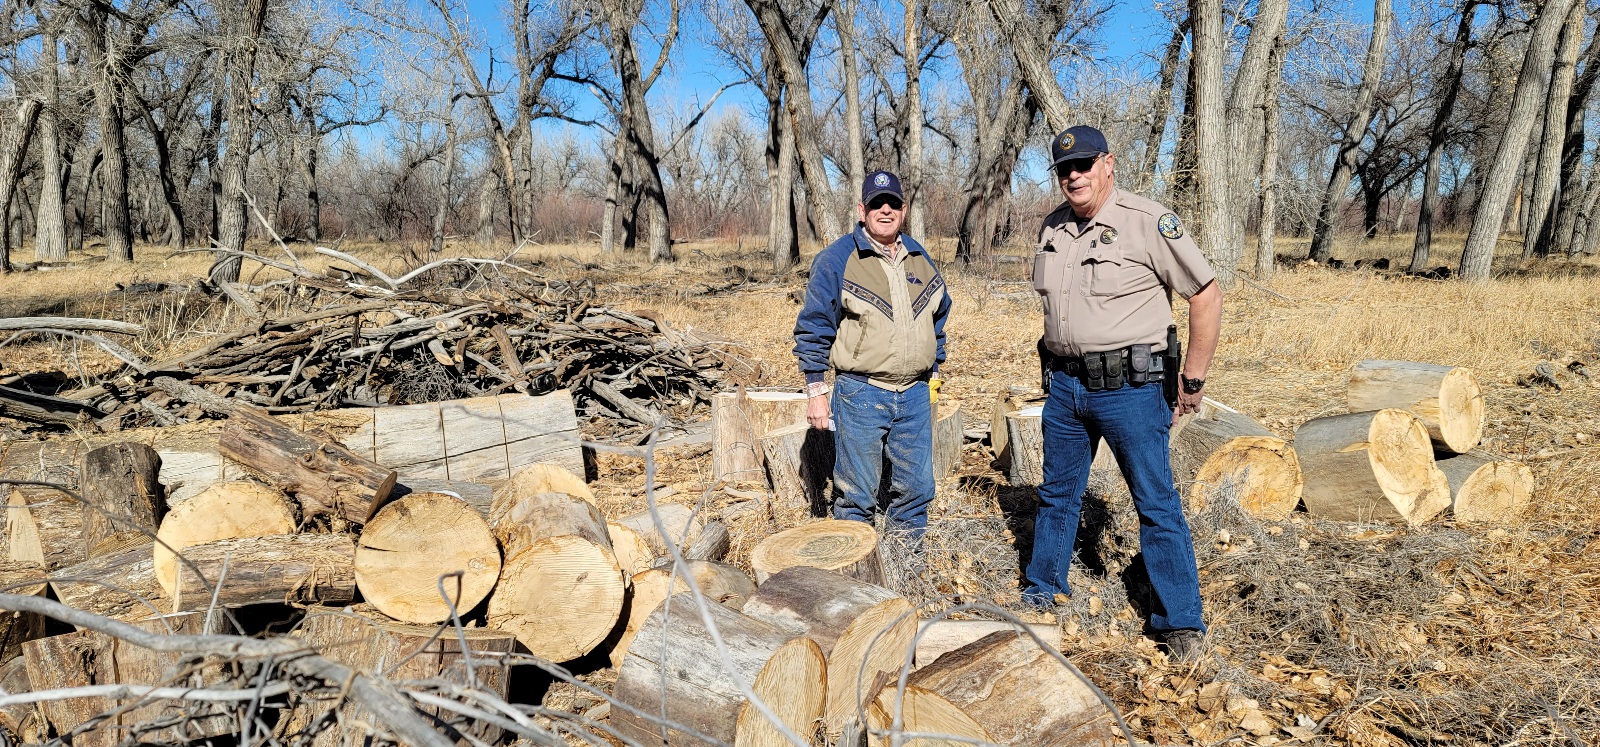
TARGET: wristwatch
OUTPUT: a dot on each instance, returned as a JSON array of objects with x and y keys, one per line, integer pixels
[{"x": 1192, "y": 386}]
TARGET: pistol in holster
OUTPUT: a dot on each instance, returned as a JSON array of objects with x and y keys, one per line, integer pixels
[
  {"x": 1046, "y": 364},
  {"x": 1172, "y": 366}
]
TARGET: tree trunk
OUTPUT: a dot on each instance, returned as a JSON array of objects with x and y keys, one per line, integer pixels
[
  {"x": 1571, "y": 191},
  {"x": 608, "y": 215},
  {"x": 1245, "y": 113},
  {"x": 1267, "y": 227},
  {"x": 639, "y": 131},
  {"x": 1025, "y": 442},
  {"x": 1583, "y": 235},
  {"x": 233, "y": 223},
  {"x": 1161, "y": 111},
  {"x": 1211, "y": 174},
  {"x": 735, "y": 449},
  {"x": 295, "y": 569},
  {"x": 12, "y": 154},
  {"x": 1487, "y": 488},
  {"x": 326, "y": 478},
  {"x": 308, "y": 171},
  {"x": 844, "y": 20},
  {"x": 436, "y": 246},
  {"x": 117, "y": 217},
  {"x": 1478, "y": 256},
  {"x": 783, "y": 231},
  {"x": 486, "y": 197},
  {"x": 417, "y": 540},
  {"x": 50, "y": 237},
  {"x": 912, "y": 178},
  {"x": 948, "y": 438},
  {"x": 223, "y": 511},
  {"x": 781, "y": 43},
  {"x": 1354, "y": 132},
  {"x": 1538, "y": 235},
  {"x": 847, "y": 547},
  {"x": 1438, "y": 133},
  {"x": 1033, "y": 61},
  {"x": 1370, "y": 466}
]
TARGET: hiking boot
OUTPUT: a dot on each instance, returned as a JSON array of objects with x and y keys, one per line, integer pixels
[{"x": 1185, "y": 645}]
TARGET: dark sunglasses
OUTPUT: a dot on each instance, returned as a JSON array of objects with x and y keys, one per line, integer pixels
[
  {"x": 894, "y": 203},
  {"x": 1079, "y": 165}
]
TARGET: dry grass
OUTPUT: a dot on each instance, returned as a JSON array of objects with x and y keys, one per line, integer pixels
[{"x": 1445, "y": 634}]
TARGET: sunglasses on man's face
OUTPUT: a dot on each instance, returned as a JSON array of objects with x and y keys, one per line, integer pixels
[
  {"x": 878, "y": 202},
  {"x": 1076, "y": 165}
]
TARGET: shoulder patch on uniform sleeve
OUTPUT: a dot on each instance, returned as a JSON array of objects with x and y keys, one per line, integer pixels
[{"x": 1169, "y": 226}]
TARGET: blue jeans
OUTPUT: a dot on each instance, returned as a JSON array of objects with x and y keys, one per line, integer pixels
[
  {"x": 876, "y": 428},
  {"x": 1135, "y": 422}
]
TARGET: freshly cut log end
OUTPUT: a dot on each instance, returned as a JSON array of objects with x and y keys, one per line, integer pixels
[
  {"x": 724, "y": 584},
  {"x": 1487, "y": 488},
  {"x": 294, "y": 569},
  {"x": 1221, "y": 450},
  {"x": 1448, "y": 400},
  {"x": 224, "y": 511},
  {"x": 920, "y": 711},
  {"x": 798, "y": 661},
  {"x": 849, "y": 547},
  {"x": 1025, "y": 444},
  {"x": 414, "y": 541},
  {"x": 1370, "y": 466},
  {"x": 547, "y": 478},
  {"x": 633, "y": 553}
]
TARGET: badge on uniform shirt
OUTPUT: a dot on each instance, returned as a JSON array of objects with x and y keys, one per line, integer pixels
[
  {"x": 1108, "y": 236},
  {"x": 1169, "y": 226}
]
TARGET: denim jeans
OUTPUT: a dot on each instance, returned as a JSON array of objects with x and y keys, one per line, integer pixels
[
  {"x": 876, "y": 428},
  {"x": 1135, "y": 422}
]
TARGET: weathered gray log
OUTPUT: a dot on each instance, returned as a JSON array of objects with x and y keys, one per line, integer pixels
[{"x": 123, "y": 495}]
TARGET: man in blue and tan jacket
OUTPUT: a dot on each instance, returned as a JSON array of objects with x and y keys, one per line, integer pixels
[{"x": 874, "y": 313}]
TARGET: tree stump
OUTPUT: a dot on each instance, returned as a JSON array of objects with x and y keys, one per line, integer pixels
[
  {"x": 1025, "y": 439},
  {"x": 800, "y": 464},
  {"x": 223, "y": 511},
  {"x": 325, "y": 477},
  {"x": 769, "y": 411},
  {"x": 1018, "y": 398},
  {"x": 1370, "y": 466},
  {"x": 1228, "y": 451},
  {"x": 561, "y": 590},
  {"x": 1487, "y": 488},
  {"x": 848, "y": 547},
  {"x": 1448, "y": 400},
  {"x": 948, "y": 438},
  {"x": 294, "y": 569},
  {"x": 122, "y": 494},
  {"x": 675, "y": 652},
  {"x": 843, "y": 616},
  {"x": 1001, "y": 688},
  {"x": 411, "y": 543},
  {"x": 735, "y": 446}
]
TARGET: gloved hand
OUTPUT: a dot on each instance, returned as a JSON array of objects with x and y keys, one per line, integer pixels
[{"x": 933, "y": 390}]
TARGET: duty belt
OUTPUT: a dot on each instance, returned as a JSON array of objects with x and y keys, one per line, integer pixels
[{"x": 1111, "y": 369}]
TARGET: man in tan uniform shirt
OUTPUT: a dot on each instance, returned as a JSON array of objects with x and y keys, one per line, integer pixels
[{"x": 1107, "y": 264}]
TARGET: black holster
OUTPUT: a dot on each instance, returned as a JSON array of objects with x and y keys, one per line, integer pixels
[
  {"x": 1046, "y": 365},
  {"x": 1172, "y": 364}
]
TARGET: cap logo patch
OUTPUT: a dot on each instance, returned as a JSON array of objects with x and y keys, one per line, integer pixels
[
  {"x": 1108, "y": 236},
  {"x": 1067, "y": 140},
  {"x": 1169, "y": 226},
  {"x": 881, "y": 180}
]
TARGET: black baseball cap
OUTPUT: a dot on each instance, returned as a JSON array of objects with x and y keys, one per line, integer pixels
[
  {"x": 880, "y": 183},
  {"x": 1081, "y": 141}
]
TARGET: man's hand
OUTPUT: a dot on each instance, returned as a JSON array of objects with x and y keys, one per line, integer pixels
[
  {"x": 818, "y": 412},
  {"x": 1187, "y": 403},
  {"x": 933, "y": 390}
]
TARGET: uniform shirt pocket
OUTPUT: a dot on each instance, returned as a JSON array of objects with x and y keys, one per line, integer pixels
[
  {"x": 1046, "y": 271},
  {"x": 1103, "y": 272}
]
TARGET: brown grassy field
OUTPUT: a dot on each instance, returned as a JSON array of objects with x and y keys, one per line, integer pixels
[{"x": 1325, "y": 633}]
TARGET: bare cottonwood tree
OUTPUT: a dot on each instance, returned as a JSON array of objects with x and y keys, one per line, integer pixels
[
  {"x": 1439, "y": 133},
  {"x": 1210, "y": 132},
  {"x": 1539, "y": 230},
  {"x": 635, "y": 128},
  {"x": 844, "y": 20},
  {"x": 1355, "y": 130},
  {"x": 244, "y": 35},
  {"x": 13, "y": 149},
  {"x": 1246, "y": 112},
  {"x": 50, "y": 227},
  {"x": 1267, "y": 228},
  {"x": 787, "y": 37},
  {"x": 1033, "y": 50}
]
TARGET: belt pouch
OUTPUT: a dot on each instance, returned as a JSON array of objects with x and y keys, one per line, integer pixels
[
  {"x": 1113, "y": 369},
  {"x": 1094, "y": 371},
  {"x": 1138, "y": 364}
]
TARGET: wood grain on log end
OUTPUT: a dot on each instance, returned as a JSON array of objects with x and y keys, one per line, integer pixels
[
  {"x": 1370, "y": 466},
  {"x": 849, "y": 547},
  {"x": 414, "y": 541},
  {"x": 1486, "y": 488},
  {"x": 223, "y": 511}
]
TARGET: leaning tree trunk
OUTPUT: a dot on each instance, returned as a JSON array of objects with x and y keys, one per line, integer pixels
[
  {"x": 638, "y": 129},
  {"x": 1438, "y": 132},
  {"x": 12, "y": 153},
  {"x": 1538, "y": 232},
  {"x": 1478, "y": 256},
  {"x": 233, "y": 220},
  {"x": 50, "y": 228},
  {"x": 1571, "y": 194},
  {"x": 1162, "y": 110},
  {"x": 1033, "y": 61},
  {"x": 436, "y": 246},
  {"x": 115, "y": 211},
  {"x": 1349, "y": 148},
  {"x": 784, "y": 49},
  {"x": 1246, "y": 105}
]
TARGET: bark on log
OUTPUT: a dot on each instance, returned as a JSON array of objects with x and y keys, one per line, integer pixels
[
  {"x": 1025, "y": 443},
  {"x": 735, "y": 447},
  {"x": 44, "y": 526},
  {"x": 561, "y": 590},
  {"x": 17, "y": 628},
  {"x": 940, "y": 637},
  {"x": 414, "y": 541},
  {"x": 948, "y": 438},
  {"x": 120, "y": 485},
  {"x": 721, "y": 583},
  {"x": 225, "y": 511},
  {"x": 1370, "y": 466},
  {"x": 121, "y": 586},
  {"x": 683, "y": 527},
  {"x": 1228, "y": 451},
  {"x": 326, "y": 478},
  {"x": 676, "y": 652},
  {"x": 1448, "y": 400},
  {"x": 24, "y": 723},
  {"x": 712, "y": 544},
  {"x": 799, "y": 464},
  {"x": 844, "y": 616},
  {"x": 727, "y": 585},
  {"x": 294, "y": 569},
  {"x": 1487, "y": 488},
  {"x": 999, "y": 440},
  {"x": 847, "y": 547},
  {"x": 1001, "y": 688}
]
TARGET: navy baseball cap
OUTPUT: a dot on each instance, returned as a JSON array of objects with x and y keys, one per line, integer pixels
[
  {"x": 1082, "y": 141},
  {"x": 880, "y": 183}
]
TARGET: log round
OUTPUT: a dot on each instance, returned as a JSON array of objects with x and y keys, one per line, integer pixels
[
  {"x": 548, "y": 478},
  {"x": 1370, "y": 466},
  {"x": 1221, "y": 450},
  {"x": 1025, "y": 443},
  {"x": 675, "y": 653},
  {"x": 633, "y": 552},
  {"x": 843, "y": 616},
  {"x": 948, "y": 437},
  {"x": 413, "y": 541},
  {"x": 1000, "y": 688},
  {"x": 295, "y": 569},
  {"x": 561, "y": 590},
  {"x": 799, "y": 464},
  {"x": 683, "y": 527},
  {"x": 849, "y": 547},
  {"x": 1448, "y": 400},
  {"x": 120, "y": 480},
  {"x": 1487, "y": 488},
  {"x": 223, "y": 511}
]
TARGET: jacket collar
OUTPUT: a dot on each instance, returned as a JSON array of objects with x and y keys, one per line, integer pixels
[{"x": 864, "y": 243}]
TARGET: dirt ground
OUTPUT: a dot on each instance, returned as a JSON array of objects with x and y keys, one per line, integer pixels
[{"x": 1322, "y": 632}]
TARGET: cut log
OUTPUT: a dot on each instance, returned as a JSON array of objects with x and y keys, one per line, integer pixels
[
  {"x": 712, "y": 544},
  {"x": 17, "y": 628},
  {"x": 633, "y": 554},
  {"x": 547, "y": 477},
  {"x": 735, "y": 447},
  {"x": 24, "y": 723},
  {"x": 477, "y": 495},
  {"x": 561, "y": 590},
  {"x": 325, "y": 477},
  {"x": 1448, "y": 400},
  {"x": 1001, "y": 688},
  {"x": 675, "y": 653},
  {"x": 415, "y": 541},
  {"x": 376, "y": 646},
  {"x": 727, "y": 585},
  {"x": 799, "y": 464},
  {"x": 939, "y": 637},
  {"x": 1025, "y": 442},
  {"x": 848, "y": 547},
  {"x": 225, "y": 511},
  {"x": 948, "y": 438},
  {"x": 44, "y": 526},
  {"x": 1019, "y": 397},
  {"x": 1370, "y": 466},
  {"x": 844, "y": 616},
  {"x": 1487, "y": 488},
  {"x": 647, "y": 590},
  {"x": 122, "y": 495},
  {"x": 481, "y": 439},
  {"x": 683, "y": 527},
  {"x": 295, "y": 569},
  {"x": 1228, "y": 451},
  {"x": 121, "y": 586}
]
